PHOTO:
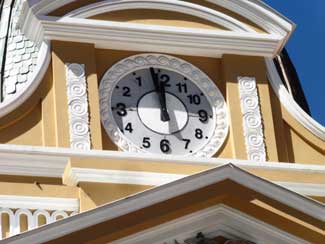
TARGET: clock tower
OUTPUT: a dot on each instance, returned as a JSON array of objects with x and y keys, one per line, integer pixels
[{"x": 164, "y": 121}]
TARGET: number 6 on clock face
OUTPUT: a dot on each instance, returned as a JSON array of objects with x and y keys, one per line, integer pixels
[{"x": 163, "y": 105}]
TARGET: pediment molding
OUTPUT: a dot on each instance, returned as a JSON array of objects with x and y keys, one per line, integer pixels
[
  {"x": 290, "y": 104},
  {"x": 255, "y": 10},
  {"x": 202, "y": 12},
  {"x": 219, "y": 220},
  {"x": 131, "y": 205}
]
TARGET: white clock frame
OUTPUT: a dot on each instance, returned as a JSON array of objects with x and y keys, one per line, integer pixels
[{"x": 114, "y": 74}]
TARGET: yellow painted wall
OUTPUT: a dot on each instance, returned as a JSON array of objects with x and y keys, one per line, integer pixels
[
  {"x": 158, "y": 17},
  {"x": 233, "y": 67},
  {"x": 99, "y": 193},
  {"x": 26, "y": 131},
  {"x": 24, "y": 126},
  {"x": 43, "y": 119},
  {"x": 38, "y": 190},
  {"x": 170, "y": 18}
]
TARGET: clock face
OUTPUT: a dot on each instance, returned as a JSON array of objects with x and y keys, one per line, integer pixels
[{"x": 152, "y": 106}]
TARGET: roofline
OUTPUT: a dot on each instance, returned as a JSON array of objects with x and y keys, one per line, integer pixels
[{"x": 168, "y": 191}]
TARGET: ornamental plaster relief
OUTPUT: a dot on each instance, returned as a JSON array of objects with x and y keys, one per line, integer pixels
[
  {"x": 252, "y": 119},
  {"x": 78, "y": 106}
]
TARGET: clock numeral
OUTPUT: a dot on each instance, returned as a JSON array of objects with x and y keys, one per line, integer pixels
[
  {"x": 129, "y": 128},
  {"x": 164, "y": 146},
  {"x": 194, "y": 99},
  {"x": 121, "y": 109},
  {"x": 182, "y": 87},
  {"x": 146, "y": 142},
  {"x": 203, "y": 115},
  {"x": 187, "y": 142},
  {"x": 165, "y": 79},
  {"x": 139, "y": 79},
  {"x": 198, "y": 133},
  {"x": 127, "y": 91}
]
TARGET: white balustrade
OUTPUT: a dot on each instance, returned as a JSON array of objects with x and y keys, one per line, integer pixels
[{"x": 32, "y": 216}]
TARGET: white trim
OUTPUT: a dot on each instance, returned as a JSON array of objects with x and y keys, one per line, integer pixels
[
  {"x": 252, "y": 119},
  {"x": 48, "y": 203},
  {"x": 43, "y": 62},
  {"x": 307, "y": 189},
  {"x": 51, "y": 161},
  {"x": 254, "y": 10},
  {"x": 155, "y": 38},
  {"x": 17, "y": 162},
  {"x": 78, "y": 106},
  {"x": 219, "y": 219},
  {"x": 165, "y": 192},
  {"x": 290, "y": 104},
  {"x": 168, "y": 5},
  {"x": 262, "y": 15},
  {"x": 77, "y": 175},
  {"x": 32, "y": 218}
]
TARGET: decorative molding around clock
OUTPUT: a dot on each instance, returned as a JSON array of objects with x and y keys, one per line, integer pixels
[
  {"x": 252, "y": 119},
  {"x": 78, "y": 106},
  {"x": 140, "y": 61}
]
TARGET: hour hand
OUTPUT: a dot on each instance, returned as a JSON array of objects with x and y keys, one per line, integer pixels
[
  {"x": 164, "y": 112},
  {"x": 160, "y": 89}
]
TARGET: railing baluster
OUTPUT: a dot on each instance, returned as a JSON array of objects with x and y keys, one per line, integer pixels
[{"x": 32, "y": 219}]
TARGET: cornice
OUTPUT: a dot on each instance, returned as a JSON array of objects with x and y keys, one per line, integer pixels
[
  {"x": 143, "y": 37},
  {"x": 290, "y": 104},
  {"x": 202, "y": 12},
  {"x": 76, "y": 175},
  {"x": 47, "y": 203},
  {"x": 304, "y": 188},
  {"x": 106, "y": 34},
  {"x": 51, "y": 161},
  {"x": 168, "y": 191},
  {"x": 255, "y": 10}
]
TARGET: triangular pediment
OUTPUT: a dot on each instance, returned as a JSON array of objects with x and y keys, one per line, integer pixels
[{"x": 225, "y": 201}]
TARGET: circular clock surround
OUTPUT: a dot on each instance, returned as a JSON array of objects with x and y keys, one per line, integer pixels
[{"x": 206, "y": 86}]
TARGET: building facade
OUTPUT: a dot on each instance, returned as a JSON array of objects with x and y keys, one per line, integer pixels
[{"x": 159, "y": 122}]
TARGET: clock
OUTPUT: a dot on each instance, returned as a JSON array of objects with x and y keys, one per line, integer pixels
[{"x": 161, "y": 104}]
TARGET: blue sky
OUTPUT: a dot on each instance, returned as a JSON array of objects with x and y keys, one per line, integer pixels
[{"x": 305, "y": 48}]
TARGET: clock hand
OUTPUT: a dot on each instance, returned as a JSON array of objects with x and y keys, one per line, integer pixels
[
  {"x": 160, "y": 89},
  {"x": 164, "y": 112},
  {"x": 154, "y": 77}
]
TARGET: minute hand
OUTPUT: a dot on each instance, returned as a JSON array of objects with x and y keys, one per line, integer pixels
[{"x": 160, "y": 89}]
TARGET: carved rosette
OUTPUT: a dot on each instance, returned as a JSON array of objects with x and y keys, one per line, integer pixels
[
  {"x": 252, "y": 119},
  {"x": 78, "y": 106}
]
